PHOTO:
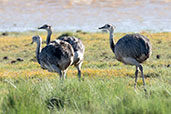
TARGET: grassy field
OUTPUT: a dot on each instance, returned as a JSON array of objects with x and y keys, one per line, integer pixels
[{"x": 108, "y": 85}]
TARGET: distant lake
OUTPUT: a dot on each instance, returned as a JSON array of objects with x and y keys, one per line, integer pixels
[{"x": 86, "y": 15}]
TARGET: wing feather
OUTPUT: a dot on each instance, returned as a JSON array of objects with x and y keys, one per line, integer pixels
[
  {"x": 58, "y": 53},
  {"x": 135, "y": 46}
]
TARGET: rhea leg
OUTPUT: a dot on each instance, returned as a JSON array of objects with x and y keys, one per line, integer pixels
[
  {"x": 142, "y": 74},
  {"x": 133, "y": 61},
  {"x": 136, "y": 76},
  {"x": 61, "y": 75},
  {"x": 56, "y": 69},
  {"x": 64, "y": 74},
  {"x": 78, "y": 66}
]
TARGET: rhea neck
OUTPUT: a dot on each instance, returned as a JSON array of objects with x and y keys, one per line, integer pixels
[
  {"x": 38, "y": 50},
  {"x": 49, "y": 31},
  {"x": 112, "y": 44}
]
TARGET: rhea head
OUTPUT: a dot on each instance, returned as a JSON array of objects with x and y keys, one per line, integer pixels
[
  {"x": 108, "y": 27},
  {"x": 45, "y": 26},
  {"x": 36, "y": 39}
]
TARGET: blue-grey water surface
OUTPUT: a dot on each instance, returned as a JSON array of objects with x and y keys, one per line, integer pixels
[{"x": 86, "y": 15}]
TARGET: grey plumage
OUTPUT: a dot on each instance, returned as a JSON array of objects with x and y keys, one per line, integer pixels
[
  {"x": 76, "y": 44},
  {"x": 133, "y": 45},
  {"x": 131, "y": 49},
  {"x": 55, "y": 57}
]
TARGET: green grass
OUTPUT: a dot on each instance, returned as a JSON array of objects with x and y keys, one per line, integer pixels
[
  {"x": 97, "y": 95},
  {"x": 108, "y": 86}
]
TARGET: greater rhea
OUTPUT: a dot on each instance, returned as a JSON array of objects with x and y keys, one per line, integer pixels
[
  {"x": 55, "y": 57},
  {"x": 131, "y": 49},
  {"x": 76, "y": 44}
]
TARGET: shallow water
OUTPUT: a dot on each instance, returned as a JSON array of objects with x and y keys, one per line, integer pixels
[{"x": 86, "y": 15}]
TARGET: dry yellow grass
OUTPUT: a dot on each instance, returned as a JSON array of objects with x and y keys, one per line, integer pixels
[{"x": 99, "y": 59}]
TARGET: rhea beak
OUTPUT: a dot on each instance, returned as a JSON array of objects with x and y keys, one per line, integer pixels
[
  {"x": 101, "y": 27},
  {"x": 41, "y": 27}
]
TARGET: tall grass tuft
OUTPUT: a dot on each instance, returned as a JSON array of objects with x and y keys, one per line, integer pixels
[{"x": 96, "y": 95}]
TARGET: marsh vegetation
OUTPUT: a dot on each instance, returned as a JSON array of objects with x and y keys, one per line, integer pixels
[{"x": 108, "y": 85}]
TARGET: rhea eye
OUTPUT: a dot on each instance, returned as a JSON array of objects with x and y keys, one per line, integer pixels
[{"x": 108, "y": 25}]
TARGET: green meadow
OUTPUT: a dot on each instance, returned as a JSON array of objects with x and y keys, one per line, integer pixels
[{"x": 107, "y": 86}]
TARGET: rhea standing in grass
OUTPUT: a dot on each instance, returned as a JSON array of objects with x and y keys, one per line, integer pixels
[
  {"x": 76, "y": 44},
  {"x": 132, "y": 49},
  {"x": 55, "y": 57}
]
